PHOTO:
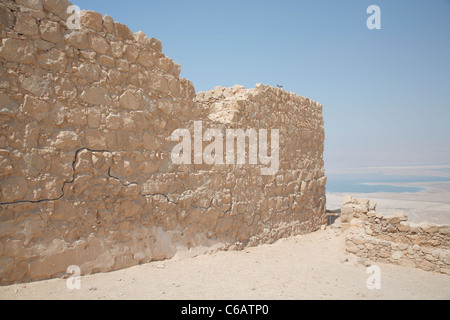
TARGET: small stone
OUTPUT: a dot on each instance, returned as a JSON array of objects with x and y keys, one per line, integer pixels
[
  {"x": 99, "y": 44},
  {"x": 8, "y": 107},
  {"x": 54, "y": 60},
  {"x": 117, "y": 49},
  {"x": 108, "y": 23},
  {"x": 391, "y": 229},
  {"x": 445, "y": 270},
  {"x": 6, "y": 17},
  {"x": 141, "y": 38},
  {"x": 447, "y": 259},
  {"x": 123, "y": 32},
  {"x": 429, "y": 228},
  {"x": 155, "y": 44},
  {"x": 35, "y": 108},
  {"x": 129, "y": 101},
  {"x": 347, "y": 199},
  {"x": 351, "y": 247},
  {"x": 78, "y": 39},
  {"x": 97, "y": 96},
  {"x": 106, "y": 61},
  {"x": 50, "y": 31},
  {"x": 113, "y": 122},
  {"x": 396, "y": 255},
  {"x": 32, "y": 4},
  {"x": 91, "y": 20},
  {"x": 58, "y": 7},
  {"x": 146, "y": 59},
  {"x": 13, "y": 189},
  {"x": 90, "y": 71},
  {"x": 67, "y": 140},
  {"x": 95, "y": 139},
  {"x": 38, "y": 86},
  {"x": 26, "y": 24}
]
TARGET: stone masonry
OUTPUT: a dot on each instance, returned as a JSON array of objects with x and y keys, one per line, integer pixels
[
  {"x": 392, "y": 239},
  {"x": 86, "y": 176}
]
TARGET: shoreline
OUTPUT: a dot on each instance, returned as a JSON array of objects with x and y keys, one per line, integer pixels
[{"x": 424, "y": 206}]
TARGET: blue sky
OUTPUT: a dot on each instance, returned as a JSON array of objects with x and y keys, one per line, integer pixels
[{"x": 386, "y": 93}]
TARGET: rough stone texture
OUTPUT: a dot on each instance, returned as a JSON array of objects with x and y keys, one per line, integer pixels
[
  {"x": 392, "y": 239},
  {"x": 86, "y": 176},
  {"x": 6, "y": 17}
]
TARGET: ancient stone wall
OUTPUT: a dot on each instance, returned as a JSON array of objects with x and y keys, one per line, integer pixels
[
  {"x": 86, "y": 175},
  {"x": 392, "y": 239}
]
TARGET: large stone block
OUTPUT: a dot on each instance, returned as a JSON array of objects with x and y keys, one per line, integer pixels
[
  {"x": 58, "y": 7},
  {"x": 16, "y": 50},
  {"x": 97, "y": 96},
  {"x": 77, "y": 39},
  {"x": 35, "y": 108},
  {"x": 6, "y": 17},
  {"x": 50, "y": 31},
  {"x": 32, "y": 4},
  {"x": 92, "y": 20},
  {"x": 26, "y": 24}
]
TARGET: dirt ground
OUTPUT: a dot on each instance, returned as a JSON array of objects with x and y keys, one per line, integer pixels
[{"x": 313, "y": 266}]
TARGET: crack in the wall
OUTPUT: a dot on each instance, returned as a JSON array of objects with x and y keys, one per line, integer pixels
[
  {"x": 73, "y": 180},
  {"x": 64, "y": 183},
  {"x": 109, "y": 175},
  {"x": 227, "y": 211}
]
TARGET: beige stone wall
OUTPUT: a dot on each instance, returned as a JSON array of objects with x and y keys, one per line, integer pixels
[
  {"x": 86, "y": 176},
  {"x": 392, "y": 239}
]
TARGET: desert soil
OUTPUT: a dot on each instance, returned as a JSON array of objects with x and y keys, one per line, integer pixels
[{"x": 313, "y": 266}]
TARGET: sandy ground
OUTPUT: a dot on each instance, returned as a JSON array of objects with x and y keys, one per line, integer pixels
[{"x": 312, "y": 266}]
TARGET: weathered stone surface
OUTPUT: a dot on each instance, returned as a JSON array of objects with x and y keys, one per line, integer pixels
[
  {"x": 67, "y": 140},
  {"x": 16, "y": 50},
  {"x": 54, "y": 60},
  {"x": 78, "y": 39},
  {"x": 32, "y": 4},
  {"x": 92, "y": 20},
  {"x": 50, "y": 31},
  {"x": 128, "y": 100},
  {"x": 146, "y": 59},
  {"x": 8, "y": 107},
  {"x": 106, "y": 61},
  {"x": 32, "y": 165},
  {"x": 90, "y": 71},
  {"x": 117, "y": 49},
  {"x": 351, "y": 247},
  {"x": 151, "y": 142},
  {"x": 97, "y": 96},
  {"x": 26, "y": 24},
  {"x": 6, "y": 17},
  {"x": 108, "y": 23},
  {"x": 122, "y": 31},
  {"x": 58, "y": 7},
  {"x": 113, "y": 122},
  {"x": 95, "y": 139},
  {"x": 156, "y": 44},
  {"x": 35, "y": 108},
  {"x": 38, "y": 86},
  {"x": 13, "y": 189},
  {"x": 132, "y": 53},
  {"x": 99, "y": 44}
]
